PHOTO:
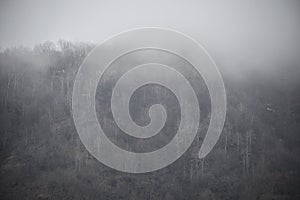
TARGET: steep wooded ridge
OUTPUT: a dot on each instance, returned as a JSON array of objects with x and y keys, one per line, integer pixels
[{"x": 42, "y": 157}]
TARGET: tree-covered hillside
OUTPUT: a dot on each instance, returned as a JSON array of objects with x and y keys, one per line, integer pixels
[{"x": 42, "y": 157}]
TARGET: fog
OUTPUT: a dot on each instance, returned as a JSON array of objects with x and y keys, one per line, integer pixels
[
  {"x": 239, "y": 35},
  {"x": 256, "y": 46}
]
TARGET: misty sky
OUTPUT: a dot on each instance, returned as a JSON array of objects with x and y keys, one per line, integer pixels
[{"x": 263, "y": 31}]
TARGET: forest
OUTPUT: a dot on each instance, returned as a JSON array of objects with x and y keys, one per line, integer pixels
[{"x": 42, "y": 157}]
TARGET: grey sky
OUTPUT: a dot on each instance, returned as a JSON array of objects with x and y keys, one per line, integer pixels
[{"x": 234, "y": 30}]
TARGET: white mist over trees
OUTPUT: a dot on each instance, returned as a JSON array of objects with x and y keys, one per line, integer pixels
[{"x": 256, "y": 47}]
